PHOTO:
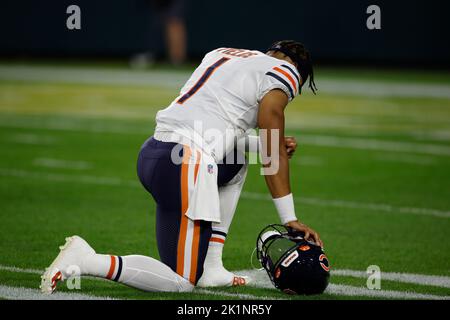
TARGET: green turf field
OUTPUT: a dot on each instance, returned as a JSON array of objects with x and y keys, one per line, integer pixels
[{"x": 372, "y": 175}]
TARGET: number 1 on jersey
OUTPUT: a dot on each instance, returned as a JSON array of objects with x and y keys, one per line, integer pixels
[{"x": 205, "y": 76}]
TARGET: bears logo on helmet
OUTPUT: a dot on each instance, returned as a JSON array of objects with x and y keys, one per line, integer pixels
[
  {"x": 293, "y": 264},
  {"x": 325, "y": 267}
]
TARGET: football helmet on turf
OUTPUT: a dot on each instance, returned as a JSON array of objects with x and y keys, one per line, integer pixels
[{"x": 294, "y": 265}]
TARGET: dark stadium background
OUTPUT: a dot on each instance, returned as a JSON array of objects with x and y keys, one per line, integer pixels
[{"x": 414, "y": 33}]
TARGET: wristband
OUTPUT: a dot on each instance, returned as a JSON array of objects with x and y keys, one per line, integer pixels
[{"x": 285, "y": 208}]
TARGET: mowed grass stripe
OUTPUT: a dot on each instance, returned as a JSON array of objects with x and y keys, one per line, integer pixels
[
  {"x": 115, "y": 181},
  {"x": 304, "y": 138},
  {"x": 175, "y": 79}
]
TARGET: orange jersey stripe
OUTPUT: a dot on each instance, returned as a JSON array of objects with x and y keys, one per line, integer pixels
[
  {"x": 111, "y": 268},
  {"x": 214, "y": 239},
  {"x": 287, "y": 76},
  {"x": 196, "y": 239},
  {"x": 184, "y": 207},
  {"x": 194, "y": 253},
  {"x": 197, "y": 163}
]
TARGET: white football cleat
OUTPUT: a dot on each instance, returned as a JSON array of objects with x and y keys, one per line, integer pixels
[
  {"x": 69, "y": 259},
  {"x": 220, "y": 277}
]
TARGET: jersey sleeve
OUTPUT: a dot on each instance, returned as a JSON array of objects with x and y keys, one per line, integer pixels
[{"x": 282, "y": 77}]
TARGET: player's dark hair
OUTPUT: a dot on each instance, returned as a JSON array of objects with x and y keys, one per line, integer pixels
[{"x": 298, "y": 54}]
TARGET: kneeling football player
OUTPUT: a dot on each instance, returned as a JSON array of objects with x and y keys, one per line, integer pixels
[{"x": 195, "y": 185}]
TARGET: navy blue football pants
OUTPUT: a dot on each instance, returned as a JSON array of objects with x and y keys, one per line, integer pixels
[{"x": 182, "y": 242}]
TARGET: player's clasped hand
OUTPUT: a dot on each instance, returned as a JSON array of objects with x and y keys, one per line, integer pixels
[
  {"x": 310, "y": 234},
  {"x": 291, "y": 145}
]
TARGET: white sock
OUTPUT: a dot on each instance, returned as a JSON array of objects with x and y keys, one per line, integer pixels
[
  {"x": 136, "y": 271},
  {"x": 229, "y": 196},
  {"x": 97, "y": 265}
]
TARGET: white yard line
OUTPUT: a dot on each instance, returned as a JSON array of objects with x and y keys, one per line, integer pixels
[
  {"x": 20, "y": 270},
  {"x": 71, "y": 126},
  {"x": 86, "y": 75},
  {"x": 351, "y": 291},
  {"x": 261, "y": 280},
  {"x": 242, "y": 296},
  {"x": 354, "y": 205},
  {"x": 374, "y": 144},
  {"x": 20, "y": 293},
  {"x": 426, "y": 280},
  {"x": 63, "y": 164},
  {"x": 305, "y": 139},
  {"x": 114, "y": 181},
  {"x": 60, "y": 177},
  {"x": 420, "y": 160},
  {"x": 379, "y": 207},
  {"x": 405, "y": 158},
  {"x": 309, "y": 161},
  {"x": 92, "y": 75},
  {"x": 32, "y": 139},
  {"x": 34, "y": 294},
  {"x": 378, "y": 88}
]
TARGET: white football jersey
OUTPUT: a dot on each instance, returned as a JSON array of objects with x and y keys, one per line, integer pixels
[{"x": 219, "y": 102}]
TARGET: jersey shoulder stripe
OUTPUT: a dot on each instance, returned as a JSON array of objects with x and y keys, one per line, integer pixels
[
  {"x": 284, "y": 82},
  {"x": 288, "y": 76},
  {"x": 295, "y": 74}
]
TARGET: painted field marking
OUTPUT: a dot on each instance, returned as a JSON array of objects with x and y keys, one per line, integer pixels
[
  {"x": 374, "y": 144},
  {"x": 419, "y": 160},
  {"x": 20, "y": 270},
  {"x": 89, "y": 75},
  {"x": 354, "y": 205},
  {"x": 426, "y": 280},
  {"x": 407, "y": 159},
  {"x": 114, "y": 181},
  {"x": 21, "y": 293},
  {"x": 309, "y": 161},
  {"x": 261, "y": 280},
  {"x": 85, "y": 75},
  {"x": 243, "y": 296},
  {"x": 305, "y": 139},
  {"x": 32, "y": 139},
  {"x": 59, "y": 177},
  {"x": 352, "y": 291},
  {"x": 70, "y": 126},
  {"x": 63, "y": 164},
  {"x": 34, "y": 294}
]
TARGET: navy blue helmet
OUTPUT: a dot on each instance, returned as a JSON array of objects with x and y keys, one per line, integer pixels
[{"x": 294, "y": 265}]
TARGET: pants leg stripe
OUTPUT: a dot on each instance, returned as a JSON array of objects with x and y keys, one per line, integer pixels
[
  {"x": 195, "y": 246},
  {"x": 196, "y": 239},
  {"x": 187, "y": 248},
  {"x": 189, "y": 238},
  {"x": 184, "y": 207}
]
